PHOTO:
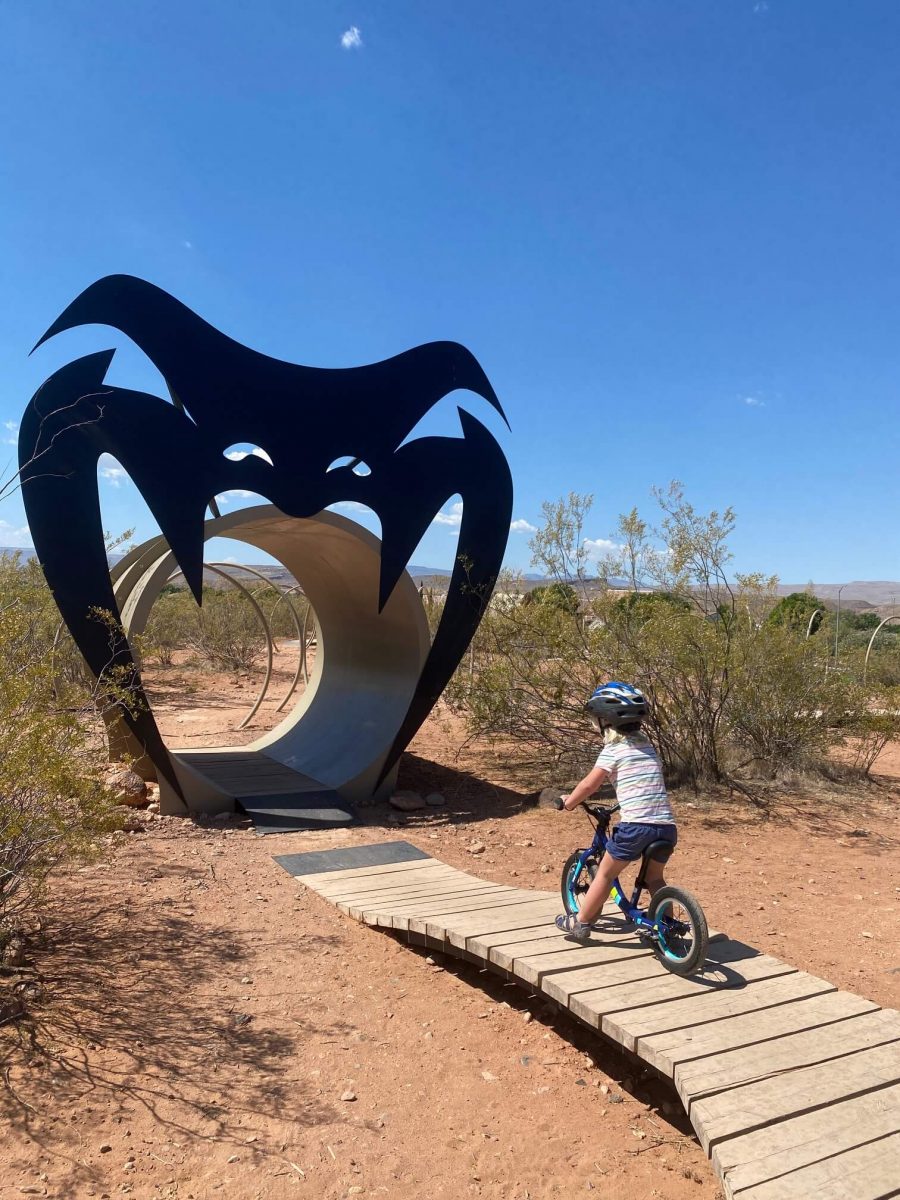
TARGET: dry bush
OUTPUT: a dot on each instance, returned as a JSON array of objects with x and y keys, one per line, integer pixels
[
  {"x": 733, "y": 696},
  {"x": 52, "y": 802}
]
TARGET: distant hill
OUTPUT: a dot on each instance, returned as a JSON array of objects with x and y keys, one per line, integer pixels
[{"x": 857, "y": 594}]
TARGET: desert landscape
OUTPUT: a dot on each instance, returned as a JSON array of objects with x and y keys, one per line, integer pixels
[{"x": 198, "y": 1024}]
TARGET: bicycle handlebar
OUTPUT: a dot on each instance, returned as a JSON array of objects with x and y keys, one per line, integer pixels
[{"x": 596, "y": 810}]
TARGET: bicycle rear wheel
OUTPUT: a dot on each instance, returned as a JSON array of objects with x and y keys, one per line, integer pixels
[
  {"x": 576, "y": 880},
  {"x": 682, "y": 935}
]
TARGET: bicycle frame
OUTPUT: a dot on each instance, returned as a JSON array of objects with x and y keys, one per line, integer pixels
[{"x": 597, "y": 849}]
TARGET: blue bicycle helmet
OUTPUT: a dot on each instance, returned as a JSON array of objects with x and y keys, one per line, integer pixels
[{"x": 616, "y": 704}]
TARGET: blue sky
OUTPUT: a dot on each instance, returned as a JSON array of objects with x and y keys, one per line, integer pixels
[{"x": 669, "y": 230}]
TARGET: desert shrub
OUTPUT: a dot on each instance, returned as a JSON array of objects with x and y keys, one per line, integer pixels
[
  {"x": 876, "y": 721},
  {"x": 52, "y": 801},
  {"x": 784, "y": 710},
  {"x": 172, "y": 626},
  {"x": 227, "y": 635},
  {"x": 733, "y": 694}
]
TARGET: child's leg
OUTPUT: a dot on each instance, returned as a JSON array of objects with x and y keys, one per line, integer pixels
[
  {"x": 598, "y": 893},
  {"x": 655, "y": 877}
]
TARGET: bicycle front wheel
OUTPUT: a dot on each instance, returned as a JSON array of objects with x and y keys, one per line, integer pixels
[
  {"x": 576, "y": 879},
  {"x": 682, "y": 935}
]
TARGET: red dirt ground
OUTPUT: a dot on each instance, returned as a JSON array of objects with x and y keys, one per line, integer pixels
[{"x": 197, "y": 1017}]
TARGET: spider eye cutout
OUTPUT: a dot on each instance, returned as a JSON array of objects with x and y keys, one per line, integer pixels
[
  {"x": 237, "y": 452},
  {"x": 356, "y": 465}
]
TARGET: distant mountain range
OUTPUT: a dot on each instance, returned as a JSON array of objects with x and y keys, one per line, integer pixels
[{"x": 858, "y": 594}]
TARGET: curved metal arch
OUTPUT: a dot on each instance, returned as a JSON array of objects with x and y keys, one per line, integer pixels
[
  {"x": 809, "y": 627},
  {"x": 300, "y": 633},
  {"x": 265, "y": 624},
  {"x": 872, "y": 639},
  {"x": 302, "y": 668}
]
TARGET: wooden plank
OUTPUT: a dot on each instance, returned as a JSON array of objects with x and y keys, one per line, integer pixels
[
  {"x": 869, "y": 1172},
  {"x": 409, "y": 879},
  {"x": 628, "y": 1028},
  {"x": 750, "y": 1063},
  {"x": 523, "y": 955},
  {"x": 621, "y": 995},
  {"x": 533, "y": 968},
  {"x": 512, "y": 917},
  {"x": 412, "y": 864},
  {"x": 362, "y": 907},
  {"x": 443, "y": 907},
  {"x": 335, "y": 883},
  {"x": 494, "y": 897},
  {"x": 421, "y": 887},
  {"x": 356, "y": 906},
  {"x": 618, "y": 961},
  {"x": 739, "y": 1110},
  {"x": 787, "y": 1146},
  {"x": 483, "y": 944},
  {"x": 728, "y": 965},
  {"x": 555, "y": 938},
  {"x": 665, "y": 1051},
  {"x": 433, "y": 890}
]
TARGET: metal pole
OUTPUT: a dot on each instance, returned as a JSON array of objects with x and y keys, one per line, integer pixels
[{"x": 837, "y": 624}]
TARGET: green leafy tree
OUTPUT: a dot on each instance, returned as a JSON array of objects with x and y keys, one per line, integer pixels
[
  {"x": 560, "y": 596},
  {"x": 796, "y": 611}
]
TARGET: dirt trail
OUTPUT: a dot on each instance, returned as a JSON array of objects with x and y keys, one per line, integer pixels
[{"x": 202, "y": 1016}]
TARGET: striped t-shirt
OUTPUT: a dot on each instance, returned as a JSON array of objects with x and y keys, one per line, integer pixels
[{"x": 636, "y": 773}]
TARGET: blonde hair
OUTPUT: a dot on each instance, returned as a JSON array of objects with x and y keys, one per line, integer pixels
[{"x": 612, "y": 736}]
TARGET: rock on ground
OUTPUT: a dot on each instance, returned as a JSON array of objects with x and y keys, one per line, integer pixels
[
  {"x": 407, "y": 801},
  {"x": 127, "y": 787}
]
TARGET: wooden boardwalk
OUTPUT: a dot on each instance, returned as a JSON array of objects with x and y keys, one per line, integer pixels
[{"x": 792, "y": 1086}]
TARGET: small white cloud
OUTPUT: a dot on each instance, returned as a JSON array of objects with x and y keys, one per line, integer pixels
[
  {"x": 14, "y": 537},
  {"x": 453, "y": 517},
  {"x": 12, "y": 427},
  {"x": 351, "y": 39},
  {"x": 110, "y": 469},
  {"x": 522, "y": 526},
  {"x": 597, "y": 548},
  {"x": 188, "y": 245},
  {"x": 754, "y": 402},
  {"x": 237, "y": 455}
]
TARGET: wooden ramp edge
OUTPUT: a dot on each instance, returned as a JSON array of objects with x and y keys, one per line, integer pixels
[{"x": 792, "y": 1086}]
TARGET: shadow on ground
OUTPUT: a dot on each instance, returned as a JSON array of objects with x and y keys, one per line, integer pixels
[{"x": 130, "y": 1011}]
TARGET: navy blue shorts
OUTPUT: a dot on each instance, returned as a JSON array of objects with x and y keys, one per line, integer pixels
[{"x": 630, "y": 839}]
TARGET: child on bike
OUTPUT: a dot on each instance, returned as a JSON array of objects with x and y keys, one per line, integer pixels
[{"x": 629, "y": 762}]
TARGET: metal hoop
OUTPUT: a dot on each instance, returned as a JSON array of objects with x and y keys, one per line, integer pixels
[{"x": 871, "y": 640}]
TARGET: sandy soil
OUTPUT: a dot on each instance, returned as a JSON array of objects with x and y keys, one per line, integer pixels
[{"x": 197, "y": 1017}]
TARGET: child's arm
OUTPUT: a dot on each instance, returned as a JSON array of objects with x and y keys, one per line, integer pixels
[{"x": 592, "y": 783}]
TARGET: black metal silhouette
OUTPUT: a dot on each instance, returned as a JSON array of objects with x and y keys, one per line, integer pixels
[{"x": 303, "y": 417}]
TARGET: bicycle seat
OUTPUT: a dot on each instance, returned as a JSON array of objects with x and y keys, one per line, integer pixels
[{"x": 659, "y": 851}]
